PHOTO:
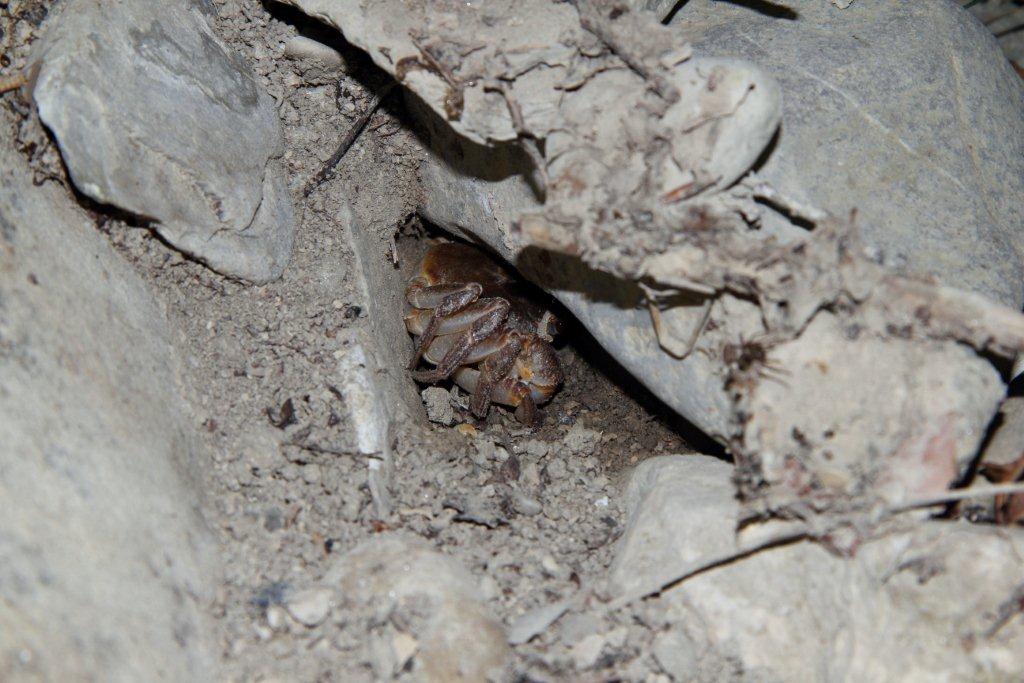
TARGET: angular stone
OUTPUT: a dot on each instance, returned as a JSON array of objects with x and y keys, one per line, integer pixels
[
  {"x": 650, "y": 540},
  {"x": 311, "y": 606},
  {"x": 155, "y": 115}
]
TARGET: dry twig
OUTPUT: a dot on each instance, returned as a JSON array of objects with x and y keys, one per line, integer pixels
[{"x": 347, "y": 140}]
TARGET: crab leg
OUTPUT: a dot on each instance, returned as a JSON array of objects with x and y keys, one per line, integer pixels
[
  {"x": 513, "y": 392},
  {"x": 486, "y": 318},
  {"x": 495, "y": 368},
  {"x": 444, "y": 342},
  {"x": 445, "y": 300}
]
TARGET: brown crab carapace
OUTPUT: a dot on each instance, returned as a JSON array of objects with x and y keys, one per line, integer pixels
[{"x": 474, "y": 323}]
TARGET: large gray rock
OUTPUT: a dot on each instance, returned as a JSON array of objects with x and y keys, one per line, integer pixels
[
  {"x": 155, "y": 115},
  {"x": 929, "y": 603},
  {"x": 876, "y": 117},
  {"x": 456, "y": 638},
  {"x": 709, "y": 512},
  {"x": 106, "y": 567},
  {"x": 907, "y": 112}
]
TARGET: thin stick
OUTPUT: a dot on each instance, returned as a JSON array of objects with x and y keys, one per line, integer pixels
[
  {"x": 959, "y": 494},
  {"x": 691, "y": 570},
  {"x": 676, "y": 577},
  {"x": 327, "y": 450},
  {"x": 351, "y": 135},
  {"x": 526, "y": 138}
]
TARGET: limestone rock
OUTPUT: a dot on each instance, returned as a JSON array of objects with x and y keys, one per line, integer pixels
[
  {"x": 905, "y": 109},
  {"x": 906, "y": 112},
  {"x": 709, "y": 509},
  {"x": 458, "y": 639},
  {"x": 155, "y": 115},
  {"x": 799, "y": 612},
  {"x": 852, "y": 413},
  {"x": 106, "y": 567}
]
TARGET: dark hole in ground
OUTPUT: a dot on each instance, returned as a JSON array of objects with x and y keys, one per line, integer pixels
[{"x": 598, "y": 389}]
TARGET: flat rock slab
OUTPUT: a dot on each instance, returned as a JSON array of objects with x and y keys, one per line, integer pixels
[
  {"x": 155, "y": 115},
  {"x": 106, "y": 566}
]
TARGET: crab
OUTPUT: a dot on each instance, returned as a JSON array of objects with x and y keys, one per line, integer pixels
[{"x": 474, "y": 324}]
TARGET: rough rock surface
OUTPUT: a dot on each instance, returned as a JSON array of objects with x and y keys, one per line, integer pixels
[
  {"x": 798, "y": 612},
  {"x": 457, "y": 639},
  {"x": 846, "y": 397},
  {"x": 932, "y": 227},
  {"x": 1006, "y": 444},
  {"x": 907, "y": 113},
  {"x": 156, "y": 116},
  {"x": 708, "y": 512},
  {"x": 106, "y": 567},
  {"x": 479, "y": 193}
]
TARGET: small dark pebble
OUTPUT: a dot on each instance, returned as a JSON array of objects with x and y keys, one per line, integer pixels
[
  {"x": 269, "y": 594},
  {"x": 283, "y": 417},
  {"x": 274, "y": 520}
]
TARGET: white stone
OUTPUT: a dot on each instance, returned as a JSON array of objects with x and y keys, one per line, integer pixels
[
  {"x": 910, "y": 605},
  {"x": 684, "y": 509},
  {"x": 439, "y": 406},
  {"x": 585, "y": 653},
  {"x": 404, "y": 648},
  {"x": 311, "y": 606}
]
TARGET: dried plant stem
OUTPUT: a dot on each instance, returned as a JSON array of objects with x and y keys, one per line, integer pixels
[
  {"x": 351, "y": 135},
  {"x": 675, "y": 577}
]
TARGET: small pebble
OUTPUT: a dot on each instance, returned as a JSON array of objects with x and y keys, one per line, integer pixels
[
  {"x": 309, "y": 607},
  {"x": 276, "y": 619},
  {"x": 311, "y": 474},
  {"x": 525, "y": 505},
  {"x": 466, "y": 430},
  {"x": 274, "y": 520},
  {"x": 552, "y": 569},
  {"x": 535, "y": 448},
  {"x": 439, "y": 406},
  {"x": 675, "y": 653},
  {"x": 585, "y": 653},
  {"x": 557, "y": 469},
  {"x": 581, "y": 440},
  {"x": 404, "y": 648},
  {"x": 530, "y": 474}
]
